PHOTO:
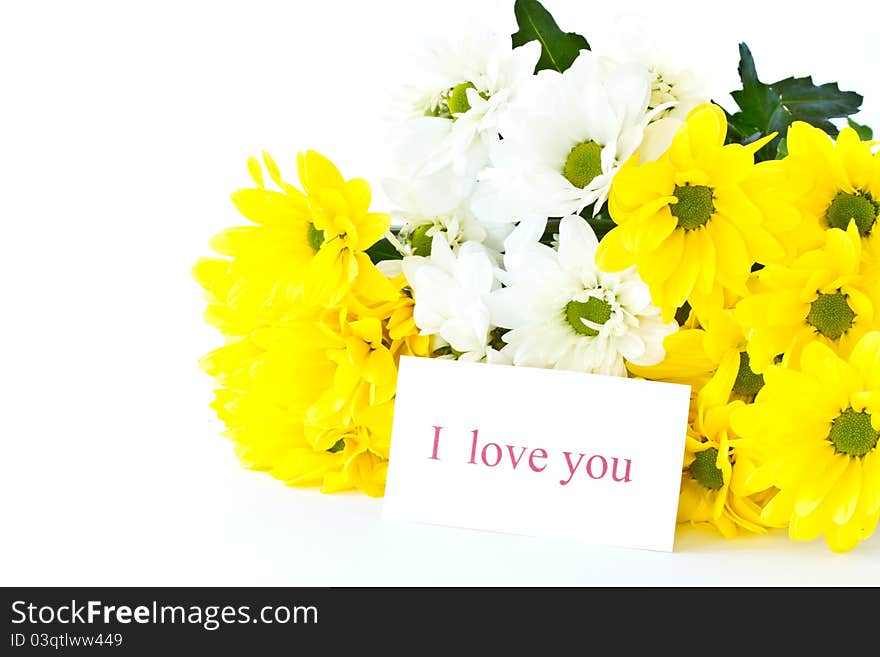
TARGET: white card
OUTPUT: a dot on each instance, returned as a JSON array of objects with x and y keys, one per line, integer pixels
[{"x": 538, "y": 452}]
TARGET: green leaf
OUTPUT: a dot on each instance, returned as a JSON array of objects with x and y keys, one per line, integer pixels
[
  {"x": 756, "y": 100},
  {"x": 383, "y": 250},
  {"x": 804, "y": 101},
  {"x": 782, "y": 149},
  {"x": 338, "y": 446},
  {"x": 551, "y": 231},
  {"x": 683, "y": 313},
  {"x": 602, "y": 223},
  {"x": 865, "y": 133},
  {"x": 558, "y": 49},
  {"x": 766, "y": 108}
]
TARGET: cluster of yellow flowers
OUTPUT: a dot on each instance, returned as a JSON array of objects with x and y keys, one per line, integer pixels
[
  {"x": 772, "y": 268},
  {"x": 306, "y": 379}
]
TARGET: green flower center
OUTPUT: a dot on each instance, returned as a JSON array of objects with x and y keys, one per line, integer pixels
[
  {"x": 584, "y": 162},
  {"x": 695, "y": 206},
  {"x": 704, "y": 470},
  {"x": 747, "y": 382},
  {"x": 593, "y": 310},
  {"x": 420, "y": 241},
  {"x": 457, "y": 101},
  {"x": 454, "y": 101},
  {"x": 852, "y": 434},
  {"x": 338, "y": 446},
  {"x": 831, "y": 315},
  {"x": 315, "y": 237},
  {"x": 845, "y": 207}
]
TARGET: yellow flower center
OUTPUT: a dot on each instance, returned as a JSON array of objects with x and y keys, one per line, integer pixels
[
  {"x": 846, "y": 207},
  {"x": 852, "y": 434},
  {"x": 584, "y": 162},
  {"x": 695, "y": 205},
  {"x": 704, "y": 470},
  {"x": 831, "y": 315},
  {"x": 747, "y": 382},
  {"x": 315, "y": 237},
  {"x": 593, "y": 310},
  {"x": 420, "y": 241}
]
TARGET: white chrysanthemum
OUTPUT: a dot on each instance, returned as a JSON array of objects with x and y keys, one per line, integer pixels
[
  {"x": 566, "y": 314},
  {"x": 421, "y": 167},
  {"x": 672, "y": 83},
  {"x": 470, "y": 80},
  {"x": 465, "y": 85},
  {"x": 450, "y": 292},
  {"x": 673, "y": 79},
  {"x": 423, "y": 217},
  {"x": 564, "y": 140}
]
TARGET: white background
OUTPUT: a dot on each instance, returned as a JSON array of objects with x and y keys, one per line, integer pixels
[{"x": 123, "y": 129}]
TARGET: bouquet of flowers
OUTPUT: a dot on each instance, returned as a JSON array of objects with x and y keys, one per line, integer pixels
[{"x": 563, "y": 208}]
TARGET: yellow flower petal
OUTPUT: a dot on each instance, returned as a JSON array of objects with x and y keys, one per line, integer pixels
[
  {"x": 779, "y": 510},
  {"x": 839, "y": 377},
  {"x": 844, "y": 538},
  {"x": 317, "y": 173},
  {"x": 845, "y": 495},
  {"x": 866, "y": 359},
  {"x": 707, "y": 127},
  {"x": 813, "y": 491},
  {"x": 681, "y": 282},
  {"x": 733, "y": 260},
  {"x": 871, "y": 481},
  {"x": 371, "y": 229},
  {"x": 611, "y": 255}
]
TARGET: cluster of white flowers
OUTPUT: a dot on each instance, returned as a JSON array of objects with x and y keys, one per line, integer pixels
[{"x": 485, "y": 154}]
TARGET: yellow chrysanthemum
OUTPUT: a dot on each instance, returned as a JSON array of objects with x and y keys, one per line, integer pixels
[
  {"x": 309, "y": 397},
  {"x": 711, "y": 360},
  {"x": 312, "y": 241},
  {"x": 774, "y": 188},
  {"x": 840, "y": 182},
  {"x": 712, "y": 480},
  {"x": 307, "y": 379},
  {"x": 342, "y": 226},
  {"x": 707, "y": 353},
  {"x": 690, "y": 221},
  {"x": 814, "y": 432},
  {"x": 822, "y": 295}
]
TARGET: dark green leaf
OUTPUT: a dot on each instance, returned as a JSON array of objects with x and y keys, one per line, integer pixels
[
  {"x": 683, "y": 313},
  {"x": 756, "y": 100},
  {"x": 766, "y": 108},
  {"x": 558, "y": 49},
  {"x": 804, "y": 101},
  {"x": 602, "y": 223},
  {"x": 865, "y": 133},
  {"x": 551, "y": 232},
  {"x": 383, "y": 250}
]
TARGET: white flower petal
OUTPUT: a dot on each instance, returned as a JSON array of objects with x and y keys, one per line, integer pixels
[
  {"x": 577, "y": 244},
  {"x": 594, "y": 100},
  {"x": 630, "y": 345},
  {"x": 634, "y": 295}
]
